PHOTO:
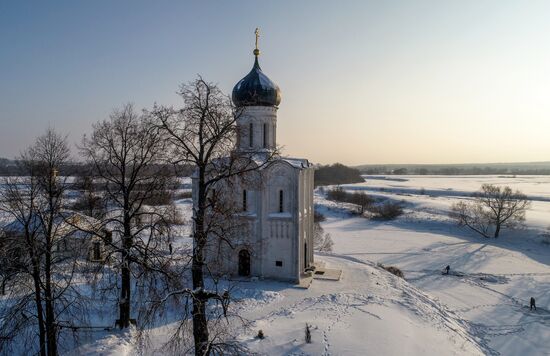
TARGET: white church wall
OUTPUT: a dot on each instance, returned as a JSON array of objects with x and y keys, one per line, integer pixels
[
  {"x": 309, "y": 178},
  {"x": 280, "y": 228},
  {"x": 274, "y": 239},
  {"x": 278, "y": 259}
]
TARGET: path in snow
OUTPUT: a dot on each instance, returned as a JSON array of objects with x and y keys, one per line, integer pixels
[{"x": 493, "y": 280}]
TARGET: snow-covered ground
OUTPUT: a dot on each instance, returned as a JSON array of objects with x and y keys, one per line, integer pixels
[
  {"x": 494, "y": 279},
  {"x": 481, "y": 308}
]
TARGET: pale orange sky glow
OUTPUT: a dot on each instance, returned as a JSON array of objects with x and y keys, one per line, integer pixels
[{"x": 362, "y": 82}]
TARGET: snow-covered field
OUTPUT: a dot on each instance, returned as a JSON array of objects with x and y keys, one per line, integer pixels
[
  {"x": 496, "y": 277},
  {"x": 481, "y": 308}
]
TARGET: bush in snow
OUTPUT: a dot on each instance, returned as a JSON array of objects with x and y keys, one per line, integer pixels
[
  {"x": 260, "y": 334},
  {"x": 358, "y": 198},
  {"x": 308, "y": 334},
  {"x": 321, "y": 241},
  {"x": 388, "y": 210},
  {"x": 318, "y": 217},
  {"x": 393, "y": 270},
  {"x": 337, "y": 194}
]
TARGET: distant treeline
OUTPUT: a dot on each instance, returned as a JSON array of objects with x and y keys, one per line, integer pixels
[
  {"x": 537, "y": 168},
  {"x": 10, "y": 167},
  {"x": 337, "y": 174}
]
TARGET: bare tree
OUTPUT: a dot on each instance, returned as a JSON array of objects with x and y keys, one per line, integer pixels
[
  {"x": 361, "y": 199},
  {"x": 203, "y": 134},
  {"x": 492, "y": 209},
  {"x": 41, "y": 268},
  {"x": 321, "y": 241},
  {"x": 125, "y": 152}
]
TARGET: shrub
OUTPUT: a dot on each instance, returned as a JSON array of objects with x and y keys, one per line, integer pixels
[
  {"x": 362, "y": 200},
  {"x": 318, "y": 217},
  {"x": 321, "y": 241},
  {"x": 260, "y": 334},
  {"x": 358, "y": 198},
  {"x": 337, "y": 194},
  {"x": 393, "y": 270},
  {"x": 388, "y": 210},
  {"x": 308, "y": 334}
]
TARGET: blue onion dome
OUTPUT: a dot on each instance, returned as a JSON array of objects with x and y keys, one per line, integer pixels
[{"x": 256, "y": 89}]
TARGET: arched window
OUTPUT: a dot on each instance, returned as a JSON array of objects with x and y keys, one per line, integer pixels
[
  {"x": 245, "y": 202},
  {"x": 266, "y": 130},
  {"x": 96, "y": 251},
  {"x": 281, "y": 202},
  {"x": 251, "y": 134}
]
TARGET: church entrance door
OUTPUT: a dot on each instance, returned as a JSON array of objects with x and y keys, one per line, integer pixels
[
  {"x": 305, "y": 256},
  {"x": 244, "y": 263}
]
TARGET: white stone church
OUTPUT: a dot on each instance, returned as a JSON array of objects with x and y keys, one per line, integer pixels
[{"x": 278, "y": 213}]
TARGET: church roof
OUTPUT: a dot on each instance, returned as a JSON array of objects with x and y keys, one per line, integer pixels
[
  {"x": 260, "y": 159},
  {"x": 297, "y": 162},
  {"x": 256, "y": 89}
]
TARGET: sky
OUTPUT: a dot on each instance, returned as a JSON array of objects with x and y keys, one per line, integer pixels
[{"x": 363, "y": 82}]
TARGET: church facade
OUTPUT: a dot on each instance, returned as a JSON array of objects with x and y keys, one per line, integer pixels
[{"x": 277, "y": 214}]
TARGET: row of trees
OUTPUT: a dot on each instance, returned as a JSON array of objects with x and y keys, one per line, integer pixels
[
  {"x": 337, "y": 174},
  {"x": 128, "y": 154},
  {"x": 511, "y": 169},
  {"x": 382, "y": 209},
  {"x": 488, "y": 211}
]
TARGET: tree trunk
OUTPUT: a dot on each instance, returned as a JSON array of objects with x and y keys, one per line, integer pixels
[
  {"x": 3, "y": 291},
  {"x": 200, "y": 322},
  {"x": 124, "y": 305},
  {"x": 39, "y": 309},
  {"x": 200, "y": 327},
  {"x": 497, "y": 230},
  {"x": 51, "y": 327},
  {"x": 125, "y": 284},
  {"x": 126, "y": 280}
]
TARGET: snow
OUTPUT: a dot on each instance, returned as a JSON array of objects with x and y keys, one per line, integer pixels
[
  {"x": 480, "y": 308},
  {"x": 367, "y": 312},
  {"x": 494, "y": 278}
]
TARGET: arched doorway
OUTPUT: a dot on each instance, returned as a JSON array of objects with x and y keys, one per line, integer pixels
[{"x": 244, "y": 263}]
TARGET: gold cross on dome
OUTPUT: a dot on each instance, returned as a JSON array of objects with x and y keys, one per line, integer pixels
[
  {"x": 55, "y": 172},
  {"x": 257, "y": 33}
]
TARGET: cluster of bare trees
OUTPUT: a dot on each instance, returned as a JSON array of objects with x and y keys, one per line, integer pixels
[
  {"x": 125, "y": 152},
  {"x": 143, "y": 266},
  {"x": 37, "y": 271}
]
